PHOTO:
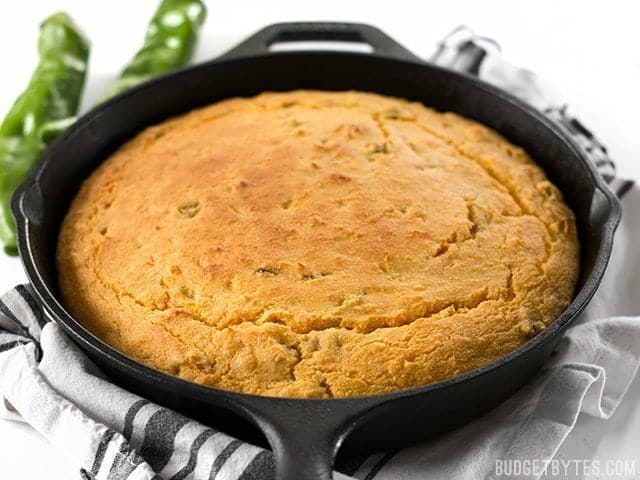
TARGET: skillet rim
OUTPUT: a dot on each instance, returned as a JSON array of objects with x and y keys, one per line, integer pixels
[{"x": 135, "y": 369}]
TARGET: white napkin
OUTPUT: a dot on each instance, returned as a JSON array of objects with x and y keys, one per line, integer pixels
[{"x": 112, "y": 434}]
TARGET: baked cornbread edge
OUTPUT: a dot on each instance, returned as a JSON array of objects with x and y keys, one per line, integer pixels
[{"x": 306, "y": 326}]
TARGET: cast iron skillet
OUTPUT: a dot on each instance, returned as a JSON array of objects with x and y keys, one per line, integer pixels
[{"x": 305, "y": 435}]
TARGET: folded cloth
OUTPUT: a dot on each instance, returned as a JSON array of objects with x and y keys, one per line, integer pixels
[{"x": 112, "y": 434}]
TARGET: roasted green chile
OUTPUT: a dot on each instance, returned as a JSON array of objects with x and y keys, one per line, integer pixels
[
  {"x": 45, "y": 108},
  {"x": 169, "y": 42}
]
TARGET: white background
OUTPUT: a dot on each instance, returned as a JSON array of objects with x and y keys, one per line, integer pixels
[{"x": 590, "y": 51}]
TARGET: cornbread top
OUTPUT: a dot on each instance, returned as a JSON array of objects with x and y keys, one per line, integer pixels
[{"x": 317, "y": 244}]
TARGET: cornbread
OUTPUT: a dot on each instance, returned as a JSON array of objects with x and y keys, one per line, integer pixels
[{"x": 317, "y": 244}]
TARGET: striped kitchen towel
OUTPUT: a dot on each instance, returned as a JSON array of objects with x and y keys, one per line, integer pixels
[{"x": 112, "y": 434}]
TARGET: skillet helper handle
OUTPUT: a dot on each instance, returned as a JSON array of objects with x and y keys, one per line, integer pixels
[{"x": 382, "y": 44}]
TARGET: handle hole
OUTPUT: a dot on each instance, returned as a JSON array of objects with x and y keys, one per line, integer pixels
[{"x": 305, "y": 45}]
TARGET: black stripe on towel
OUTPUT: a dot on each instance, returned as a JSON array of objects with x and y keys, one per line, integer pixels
[
  {"x": 126, "y": 460},
  {"x": 193, "y": 455},
  {"x": 102, "y": 449},
  {"x": 159, "y": 437},
  {"x": 262, "y": 467},
  {"x": 223, "y": 457},
  {"x": 33, "y": 305},
  {"x": 124, "y": 463},
  {"x": 9, "y": 345},
  {"x": 130, "y": 417},
  {"x": 86, "y": 475},
  {"x": 624, "y": 188},
  {"x": 8, "y": 313},
  {"x": 13, "y": 319}
]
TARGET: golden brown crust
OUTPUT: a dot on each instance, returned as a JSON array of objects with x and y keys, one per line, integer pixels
[{"x": 311, "y": 244}]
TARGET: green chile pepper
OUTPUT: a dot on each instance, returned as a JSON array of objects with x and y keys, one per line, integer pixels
[
  {"x": 42, "y": 111},
  {"x": 49, "y": 103},
  {"x": 169, "y": 42}
]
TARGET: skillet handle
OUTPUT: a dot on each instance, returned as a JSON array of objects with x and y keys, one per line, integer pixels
[
  {"x": 259, "y": 42},
  {"x": 305, "y": 435},
  {"x": 299, "y": 455}
]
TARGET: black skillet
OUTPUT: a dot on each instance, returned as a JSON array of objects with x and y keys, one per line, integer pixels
[{"x": 305, "y": 435}]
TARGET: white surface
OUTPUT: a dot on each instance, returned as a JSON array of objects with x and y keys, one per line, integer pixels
[{"x": 588, "y": 49}]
